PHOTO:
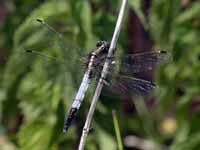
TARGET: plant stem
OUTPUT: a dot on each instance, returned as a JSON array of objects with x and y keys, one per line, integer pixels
[
  {"x": 117, "y": 130},
  {"x": 103, "y": 75}
]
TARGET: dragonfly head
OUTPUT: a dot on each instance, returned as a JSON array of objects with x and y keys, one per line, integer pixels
[
  {"x": 105, "y": 43},
  {"x": 103, "y": 47}
]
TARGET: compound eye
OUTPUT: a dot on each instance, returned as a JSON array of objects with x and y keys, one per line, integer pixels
[{"x": 99, "y": 43}]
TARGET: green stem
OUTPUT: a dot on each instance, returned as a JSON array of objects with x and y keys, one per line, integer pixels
[{"x": 117, "y": 130}]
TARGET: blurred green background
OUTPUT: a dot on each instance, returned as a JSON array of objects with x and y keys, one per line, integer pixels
[{"x": 35, "y": 97}]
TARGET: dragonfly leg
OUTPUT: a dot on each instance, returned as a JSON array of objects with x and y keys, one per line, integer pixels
[
  {"x": 103, "y": 80},
  {"x": 91, "y": 129}
]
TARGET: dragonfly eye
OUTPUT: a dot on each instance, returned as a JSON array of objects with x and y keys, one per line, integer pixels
[{"x": 99, "y": 43}]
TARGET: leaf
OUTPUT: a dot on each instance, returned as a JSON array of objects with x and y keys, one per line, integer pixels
[
  {"x": 162, "y": 20},
  {"x": 44, "y": 12},
  {"x": 105, "y": 140},
  {"x": 86, "y": 23},
  {"x": 192, "y": 142},
  {"x": 191, "y": 13},
  {"x": 34, "y": 90},
  {"x": 36, "y": 135}
]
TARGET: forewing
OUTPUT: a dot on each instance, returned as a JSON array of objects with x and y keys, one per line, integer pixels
[
  {"x": 50, "y": 65},
  {"x": 141, "y": 62}
]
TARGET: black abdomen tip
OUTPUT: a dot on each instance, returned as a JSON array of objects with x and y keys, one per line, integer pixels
[{"x": 70, "y": 118}]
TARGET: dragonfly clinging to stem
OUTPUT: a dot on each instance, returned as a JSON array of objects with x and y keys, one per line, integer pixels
[{"x": 123, "y": 81}]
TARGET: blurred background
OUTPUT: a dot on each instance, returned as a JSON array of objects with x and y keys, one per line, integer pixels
[{"x": 35, "y": 96}]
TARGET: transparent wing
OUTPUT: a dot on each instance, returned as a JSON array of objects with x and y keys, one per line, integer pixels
[
  {"x": 126, "y": 86},
  {"x": 50, "y": 65},
  {"x": 141, "y": 62},
  {"x": 70, "y": 50},
  {"x": 53, "y": 53},
  {"x": 32, "y": 67}
]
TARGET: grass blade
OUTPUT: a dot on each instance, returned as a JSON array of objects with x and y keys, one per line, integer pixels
[{"x": 117, "y": 130}]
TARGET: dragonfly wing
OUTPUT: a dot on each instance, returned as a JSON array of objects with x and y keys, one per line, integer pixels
[
  {"x": 41, "y": 62},
  {"x": 55, "y": 44},
  {"x": 141, "y": 62},
  {"x": 126, "y": 85}
]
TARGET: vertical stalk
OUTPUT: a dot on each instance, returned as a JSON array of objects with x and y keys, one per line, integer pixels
[
  {"x": 103, "y": 75},
  {"x": 117, "y": 130}
]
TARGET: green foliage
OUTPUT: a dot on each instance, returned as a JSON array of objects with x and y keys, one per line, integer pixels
[
  {"x": 41, "y": 93},
  {"x": 36, "y": 90}
]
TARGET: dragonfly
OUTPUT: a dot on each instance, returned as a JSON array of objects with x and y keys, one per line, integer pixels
[{"x": 119, "y": 80}]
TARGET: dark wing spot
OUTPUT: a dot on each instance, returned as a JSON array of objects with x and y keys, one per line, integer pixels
[
  {"x": 39, "y": 20},
  {"x": 163, "y": 52}
]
